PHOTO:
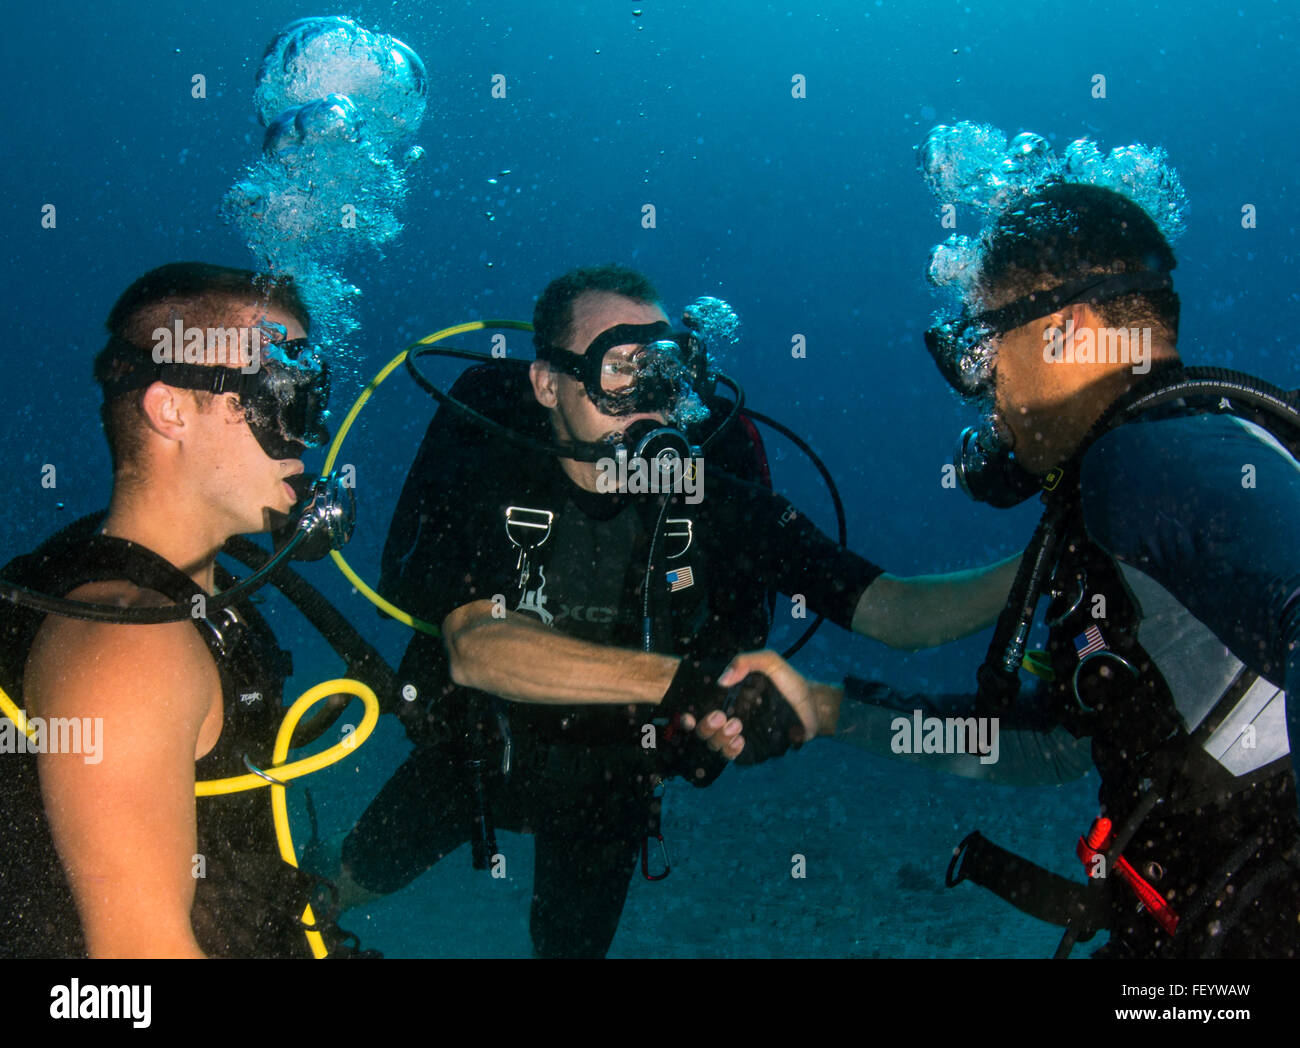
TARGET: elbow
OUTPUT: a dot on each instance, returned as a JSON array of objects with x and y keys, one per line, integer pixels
[
  {"x": 908, "y": 641},
  {"x": 462, "y": 634}
]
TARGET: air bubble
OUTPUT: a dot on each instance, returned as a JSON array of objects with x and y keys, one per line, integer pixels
[
  {"x": 336, "y": 100},
  {"x": 315, "y": 57},
  {"x": 973, "y": 164}
]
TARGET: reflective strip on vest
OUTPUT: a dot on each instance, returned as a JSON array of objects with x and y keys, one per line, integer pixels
[
  {"x": 1199, "y": 668},
  {"x": 1254, "y": 733}
]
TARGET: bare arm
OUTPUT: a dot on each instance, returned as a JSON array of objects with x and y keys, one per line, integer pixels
[
  {"x": 521, "y": 660},
  {"x": 927, "y": 610},
  {"x": 1019, "y": 757},
  {"x": 124, "y": 823}
]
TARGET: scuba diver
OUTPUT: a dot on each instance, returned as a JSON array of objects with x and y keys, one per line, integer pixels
[
  {"x": 1166, "y": 549},
  {"x": 104, "y": 850},
  {"x": 592, "y": 574}
]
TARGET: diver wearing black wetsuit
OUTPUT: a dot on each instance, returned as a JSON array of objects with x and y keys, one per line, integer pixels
[
  {"x": 580, "y": 778},
  {"x": 1201, "y": 580},
  {"x": 1166, "y": 544}
]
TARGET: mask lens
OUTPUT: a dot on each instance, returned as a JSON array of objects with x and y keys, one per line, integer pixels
[
  {"x": 963, "y": 350},
  {"x": 287, "y": 410},
  {"x": 620, "y": 368},
  {"x": 649, "y": 377}
]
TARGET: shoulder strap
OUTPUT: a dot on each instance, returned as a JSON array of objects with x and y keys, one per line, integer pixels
[{"x": 79, "y": 555}]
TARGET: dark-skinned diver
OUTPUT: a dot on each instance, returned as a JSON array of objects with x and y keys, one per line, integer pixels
[{"x": 1172, "y": 662}]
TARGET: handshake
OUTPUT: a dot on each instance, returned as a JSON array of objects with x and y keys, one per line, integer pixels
[{"x": 740, "y": 710}]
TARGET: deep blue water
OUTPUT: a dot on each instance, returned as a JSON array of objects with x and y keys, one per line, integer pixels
[{"x": 807, "y": 215}]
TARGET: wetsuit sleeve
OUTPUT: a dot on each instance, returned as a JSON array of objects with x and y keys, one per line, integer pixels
[
  {"x": 1013, "y": 752},
  {"x": 1208, "y": 506},
  {"x": 776, "y": 544}
]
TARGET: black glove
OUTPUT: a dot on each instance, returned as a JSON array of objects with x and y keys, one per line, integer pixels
[
  {"x": 771, "y": 725},
  {"x": 693, "y": 690}
]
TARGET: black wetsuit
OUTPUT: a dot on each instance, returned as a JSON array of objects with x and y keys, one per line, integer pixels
[
  {"x": 247, "y": 901},
  {"x": 581, "y": 779},
  {"x": 1179, "y": 585}
]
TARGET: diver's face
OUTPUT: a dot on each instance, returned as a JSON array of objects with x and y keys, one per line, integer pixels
[
  {"x": 573, "y": 414},
  {"x": 239, "y": 477},
  {"x": 1033, "y": 394}
]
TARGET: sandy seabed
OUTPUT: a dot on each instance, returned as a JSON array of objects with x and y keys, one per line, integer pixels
[{"x": 875, "y": 836}]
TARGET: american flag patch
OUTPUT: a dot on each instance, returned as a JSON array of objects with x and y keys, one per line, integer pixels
[
  {"x": 680, "y": 578},
  {"x": 1088, "y": 641}
]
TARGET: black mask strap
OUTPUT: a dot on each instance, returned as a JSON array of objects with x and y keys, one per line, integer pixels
[
  {"x": 1097, "y": 287},
  {"x": 122, "y": 366}
]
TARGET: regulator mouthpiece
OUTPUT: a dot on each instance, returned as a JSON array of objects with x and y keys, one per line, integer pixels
[
  {"x": 326, "y": 519},
  {"x": 989, "y": 472},
  {"x": 664, "y": 449}
]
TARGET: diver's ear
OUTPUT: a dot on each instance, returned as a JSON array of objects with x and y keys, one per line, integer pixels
[
  {"x": 544, "y": 380},
  {"x": 164, "y": 410},
  {"x": 1067, "y": 326}
]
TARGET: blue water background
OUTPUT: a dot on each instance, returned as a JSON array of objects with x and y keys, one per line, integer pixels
[{"x": 807, "y": 215}]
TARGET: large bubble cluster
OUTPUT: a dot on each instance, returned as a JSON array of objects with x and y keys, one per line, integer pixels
[
  {"x": 973, "y": 164},
  {"x": 337, "y": 101},
  {"x": 316, "y": 57},
  {"x": 715, "y": 323}
]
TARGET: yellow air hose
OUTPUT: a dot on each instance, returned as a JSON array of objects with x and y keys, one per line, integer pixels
[
  {"x": 279, "y": 772},
  {"x": 428, "y": 340}
]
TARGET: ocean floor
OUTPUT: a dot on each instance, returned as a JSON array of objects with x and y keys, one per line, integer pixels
[{"x": 875, "y": 837}]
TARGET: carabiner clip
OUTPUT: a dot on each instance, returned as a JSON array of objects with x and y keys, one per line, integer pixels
[{"x": 645, "y": 857}]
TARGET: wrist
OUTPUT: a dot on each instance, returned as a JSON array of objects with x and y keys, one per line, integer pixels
[
  {"x": 694, "y": 688},
  {"x": 826, "y": 701}
]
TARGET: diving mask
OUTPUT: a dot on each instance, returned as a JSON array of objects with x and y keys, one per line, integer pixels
[
  {"x": 284, "y": 393},
  {"x": 634, "y": 368},
  {"x": 963, "y": 347}
]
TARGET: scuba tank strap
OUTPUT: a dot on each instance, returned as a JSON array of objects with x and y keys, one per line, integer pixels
[
  {"x": 79, "y": 555},
  {"x": 528, "y": 530},
  {"x": 1027, "y": 886},
  {"x": 997, "y": 678},
  {"x": 483, "y": 842}
]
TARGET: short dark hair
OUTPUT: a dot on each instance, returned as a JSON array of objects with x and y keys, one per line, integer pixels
[
  {"x": 1072, "y": 229},
  {"x": 553, "y": 314},
  {"x": 203, "y": 295}
]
